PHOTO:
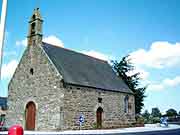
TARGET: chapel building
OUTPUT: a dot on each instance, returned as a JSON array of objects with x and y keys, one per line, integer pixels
[{"x": 53, "y": 86}]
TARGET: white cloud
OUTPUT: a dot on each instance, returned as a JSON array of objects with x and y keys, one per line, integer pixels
[
  {"x": 160, "y": 55},
  {"x": 172, "y": 82},
  {"x": 143, "y": 74},
  {"x": 156, "y": 87},
  {"x": 53, "y": 40},
  {"x": 8, "y": 69},
  {"x": 166, "y": 83},
  {"x": 98, "y": 55},
  {"x": 22, "y": 42}
]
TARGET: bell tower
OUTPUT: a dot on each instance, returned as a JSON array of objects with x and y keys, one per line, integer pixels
[{"x": 35, "y": 28}]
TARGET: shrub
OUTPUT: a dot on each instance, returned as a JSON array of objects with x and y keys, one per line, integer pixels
[
  {"x": 153, "y": 120},
  {"x": 139, "y": 119}
]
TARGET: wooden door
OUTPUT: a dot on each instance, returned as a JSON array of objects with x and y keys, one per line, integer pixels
[
  {"x": 30, "y": 116},
  {"x": 99, "y": 117}
]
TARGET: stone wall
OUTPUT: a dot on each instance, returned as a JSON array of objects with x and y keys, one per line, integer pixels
[
  {"x": 43, "y": 87},
  {"x": 59, "y": 107},
  {"x": 81, "y": 100}
]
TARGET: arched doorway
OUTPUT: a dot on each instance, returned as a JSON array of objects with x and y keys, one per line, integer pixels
[
  {"x": 30, "y": 116},
  {"x": 99, "y": 117}
]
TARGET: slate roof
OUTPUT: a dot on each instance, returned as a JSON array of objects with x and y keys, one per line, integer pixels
[{"x": 83, "y": 70}]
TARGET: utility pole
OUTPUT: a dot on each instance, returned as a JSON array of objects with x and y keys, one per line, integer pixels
[{"x": 2, "y": 31}]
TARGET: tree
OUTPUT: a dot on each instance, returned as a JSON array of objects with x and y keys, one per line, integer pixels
[
  {"x": 179, "y": 113},
  {"x": 122, "y": 69},
  {"x": 171, "y": 112},
  {"x": 156, "y": 112},
  {"x": 146, "y": 114}
]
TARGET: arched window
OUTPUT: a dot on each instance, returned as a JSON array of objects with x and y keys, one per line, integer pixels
[{"x": 126, "y": 99}]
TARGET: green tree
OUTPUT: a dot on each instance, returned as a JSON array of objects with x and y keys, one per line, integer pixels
[
  {"x": 171, "y": 112},
  {"x": 146, "y": 114},
  {"x": 122, "y": 69},
  {"x": 156, "y": 112}
]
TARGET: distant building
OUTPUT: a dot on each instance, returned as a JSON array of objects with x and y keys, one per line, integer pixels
[
  {"x": 53, "y": 86},
  {"x": 3, "y": 105}
]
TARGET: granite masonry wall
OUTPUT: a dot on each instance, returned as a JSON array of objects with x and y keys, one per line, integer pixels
[
  {"x": 58, "y": 106},
  {"x": 43, "y": 87},
  {"x": 84, "y": 101}
]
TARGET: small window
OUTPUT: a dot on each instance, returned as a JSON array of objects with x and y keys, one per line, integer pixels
[
  {"x": 31, "y": 71},
  {"x": 33, "y": 25},
  {"x": 33, "y": 28},
  {"x": 99, "y": 100},
  {"x": 34, "y": 17},
  {"x": 126, "y": 99}
]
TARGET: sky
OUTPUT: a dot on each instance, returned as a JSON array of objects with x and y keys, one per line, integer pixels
[{"x": 149, "y": 31}]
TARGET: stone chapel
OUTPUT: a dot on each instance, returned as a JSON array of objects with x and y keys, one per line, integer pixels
[{"x": 53, "y": 86}]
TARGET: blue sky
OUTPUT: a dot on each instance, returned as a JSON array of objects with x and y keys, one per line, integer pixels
[{"x": 107, "y": 29}]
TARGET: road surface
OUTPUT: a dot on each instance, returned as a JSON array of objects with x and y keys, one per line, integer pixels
[{"x": 167, "y": 132}]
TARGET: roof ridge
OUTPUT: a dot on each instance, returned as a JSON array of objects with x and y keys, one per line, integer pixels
[{"x": 76, "y": 52}]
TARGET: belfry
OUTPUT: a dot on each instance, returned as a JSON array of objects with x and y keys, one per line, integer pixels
[{"x": 35, "y": 28}]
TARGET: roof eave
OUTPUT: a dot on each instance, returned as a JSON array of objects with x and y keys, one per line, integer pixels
[{"x": 120, "y": 91}]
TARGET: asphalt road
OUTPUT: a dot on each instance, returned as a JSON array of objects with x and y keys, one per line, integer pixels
[{"x": 167, "y": 132}]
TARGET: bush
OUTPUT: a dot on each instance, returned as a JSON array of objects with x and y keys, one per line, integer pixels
[
  {"x": 171, "y": 112},
  {"x": 146, "y": 121},
  {"x": 153, "y": 120},
  {"x": 156, "y": 120},
  {"x": 139, "y": 119}
]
